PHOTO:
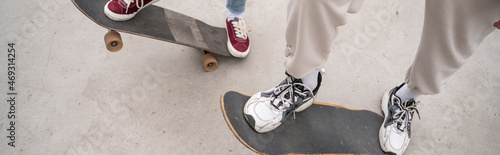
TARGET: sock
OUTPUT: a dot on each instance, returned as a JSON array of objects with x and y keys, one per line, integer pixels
[
  {"x": 405, "y": 93},
  {"x": 231, "y": 16},
  {"x": 311, "y": 80}
]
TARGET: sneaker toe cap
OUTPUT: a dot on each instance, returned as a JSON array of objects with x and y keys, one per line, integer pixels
[
  {"x": 259, "y": 115},
  {"x": 114, "y": 7},
  {"x": 396, "y": 143},
  {"x": 241, "y": 47},
  {"x": 250, "y": 120}
]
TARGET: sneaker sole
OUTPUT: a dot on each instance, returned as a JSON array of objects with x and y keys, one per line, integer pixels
[
  {"x": 383, "y": 106},
  {"x": 306, "y": 105}
]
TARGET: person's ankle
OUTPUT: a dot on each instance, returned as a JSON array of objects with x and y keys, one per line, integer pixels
[
  {"x": 231, "y": 16},
  {"x": 405, "y": 93}
]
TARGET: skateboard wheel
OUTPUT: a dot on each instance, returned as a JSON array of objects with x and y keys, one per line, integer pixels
[
  {"x": 209, "y": 62},
  {"x": 113, "y": 41}
]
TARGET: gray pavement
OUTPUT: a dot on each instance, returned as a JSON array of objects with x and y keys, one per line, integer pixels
[{"x": 153, "y": 97}]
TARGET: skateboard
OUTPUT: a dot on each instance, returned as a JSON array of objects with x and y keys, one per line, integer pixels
[
  {"x": 162, "y": 24},
  {"x": 321, "y": 129}
]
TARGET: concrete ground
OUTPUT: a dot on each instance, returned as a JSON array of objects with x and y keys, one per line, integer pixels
[{"x": 153, "y": 97}]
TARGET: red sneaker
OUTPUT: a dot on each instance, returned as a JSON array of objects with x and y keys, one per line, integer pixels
[
  {"x": 238, "y": 42},
  {"x": 121, "y": 10}
]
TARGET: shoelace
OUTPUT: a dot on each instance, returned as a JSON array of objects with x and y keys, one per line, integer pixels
[
  {"x": 240, "y": 28},
  {"x": 136, "y": 4},
  {"x": 291, "y": 89},
  {"x": 404, "y": 116}
]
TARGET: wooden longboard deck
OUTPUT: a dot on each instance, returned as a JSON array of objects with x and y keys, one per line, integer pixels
[
  {"x": 320, "y": 129},
  {"x": 162, "y": 24}
]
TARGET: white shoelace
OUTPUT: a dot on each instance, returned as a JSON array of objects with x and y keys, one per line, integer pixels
[
  {"x": 287, "y": 88},
  {"x": 404, "y": 115},
  {"x": 292, "y": 90},
  {"x": 136, "y": 4},
  {"x": 240, "y": 28}
]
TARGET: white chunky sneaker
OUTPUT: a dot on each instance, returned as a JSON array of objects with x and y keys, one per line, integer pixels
[
  {"x": 395, "y": 133},
  {"x": 266, "y": 110}
]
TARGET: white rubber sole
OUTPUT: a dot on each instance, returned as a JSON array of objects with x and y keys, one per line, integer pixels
[
  {"x": 305, "y": 105},
  {"x": 236, "y": 53},
  {"x": 383, "y": 106}
]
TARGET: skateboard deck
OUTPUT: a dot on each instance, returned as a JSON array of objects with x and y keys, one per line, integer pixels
[
  {"x": 161, "y": 24},
  {"x": 321, "y": 129}
]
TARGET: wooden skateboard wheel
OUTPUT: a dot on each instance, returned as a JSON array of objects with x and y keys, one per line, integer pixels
[
  {"x": 209, "y": 62},
  {"x": 113, "y": 41}
]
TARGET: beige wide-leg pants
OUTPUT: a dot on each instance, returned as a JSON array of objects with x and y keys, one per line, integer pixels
[{"x": 452, "y": 31}]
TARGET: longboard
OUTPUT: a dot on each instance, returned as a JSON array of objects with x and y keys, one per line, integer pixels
[
  {"x": 162, "y": 24},
  {"x": 321, "y": 129}
]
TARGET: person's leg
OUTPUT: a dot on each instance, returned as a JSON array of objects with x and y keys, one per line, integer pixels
[
  {"x": 452, "y": 31},
  {"x": 236, "y": 7},
  {"x": 238, "y": 42},
  {"x": 122, "y": 10},
  {"x": 311, "y": 28}
]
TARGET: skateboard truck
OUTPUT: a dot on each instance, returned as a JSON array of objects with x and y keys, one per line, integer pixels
[{"x": 114, "y": 43}]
